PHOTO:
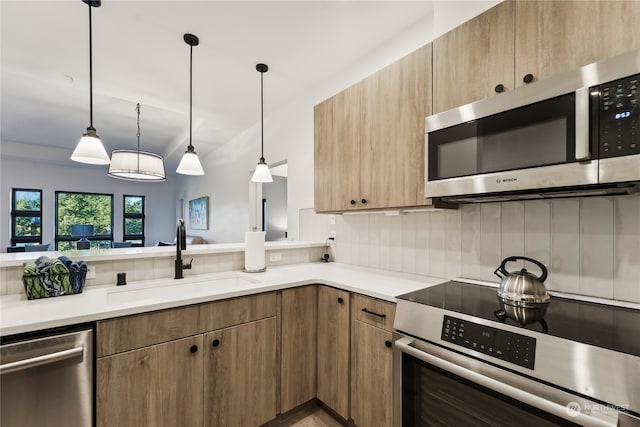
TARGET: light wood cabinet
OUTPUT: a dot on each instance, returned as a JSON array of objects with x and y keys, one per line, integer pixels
[
  {"x": 240, "y": 372},
  {"x": 149, "y": 374},
  {"x": 159, "y": 385},
  {"x": 396, "y": 100},
  {"x": 338, "y": 124},
  {"x": 557, "y": 36},
  {"x": 471, "y": 60},
  {"x": 369, "y": 139},
  {"x": 519, "y": 42},
  {"x": 333, "y": 349},
  {"x": 371, "y": 376},
  {"x": 299, "y": 346}
]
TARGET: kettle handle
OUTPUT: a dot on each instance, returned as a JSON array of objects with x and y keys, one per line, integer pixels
[{"x": 503, "y": 270}]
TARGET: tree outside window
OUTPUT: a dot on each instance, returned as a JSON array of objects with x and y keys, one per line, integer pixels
[
  {"x": 26, "y": 216},
  {"x": 133, "y": 220},
  {"x": 84, "y": 208}
]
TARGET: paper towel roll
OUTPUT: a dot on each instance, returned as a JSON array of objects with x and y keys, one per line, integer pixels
[{"x": 254, "y": 259}]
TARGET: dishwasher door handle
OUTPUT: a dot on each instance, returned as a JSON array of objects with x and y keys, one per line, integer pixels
[{"x": 45, "y": 359}]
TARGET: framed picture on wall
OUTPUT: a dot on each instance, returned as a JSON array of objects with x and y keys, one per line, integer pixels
[{"x": 199, "y": 213}]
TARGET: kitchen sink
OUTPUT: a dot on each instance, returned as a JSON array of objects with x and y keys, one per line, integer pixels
[{"x": 177, "y": 289}]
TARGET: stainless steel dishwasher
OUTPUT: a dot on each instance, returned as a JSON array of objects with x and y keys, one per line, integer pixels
[{"x": 47, "y": 379}]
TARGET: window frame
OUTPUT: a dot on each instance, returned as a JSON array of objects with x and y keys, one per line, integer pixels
[
  {"x": 132, "y": 237},
  {"x": 58, "y": 238},
  {"x": 15, "y": 213}
]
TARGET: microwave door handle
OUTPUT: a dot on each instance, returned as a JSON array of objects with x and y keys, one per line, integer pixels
[
  {"x": 582, "y": 124},
  {"x": 404, "y": 345}
]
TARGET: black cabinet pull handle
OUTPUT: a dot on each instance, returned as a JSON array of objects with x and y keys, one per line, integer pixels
[
  {"x": 387, "y": 344},
  {"x": 499, "y": 88},
  {"x": 215, "y": 342},
  {"x": 528, "y": 78},
  {"x": 353, "y": 202},
  {"x": 382, "y": 316},
  {"x": 364, "y": 201},
  {"x": 340, "y": 300},
  {"x": 193, "y": 348}
]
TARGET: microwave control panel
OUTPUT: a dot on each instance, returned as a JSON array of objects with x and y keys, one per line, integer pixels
[
  {"x": 620, "y": 117},
  {"x": 505, "y": 345}
]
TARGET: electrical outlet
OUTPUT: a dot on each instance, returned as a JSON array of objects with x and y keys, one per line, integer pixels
[
  {"x": 277, "y": 256},
  {"x": 91, "y": 273},
  {"x": 332, "y": 234},
  {"x": 332, "y": 219}
]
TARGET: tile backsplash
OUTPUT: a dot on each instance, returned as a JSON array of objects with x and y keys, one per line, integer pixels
[{"x": 591, "y": 246}]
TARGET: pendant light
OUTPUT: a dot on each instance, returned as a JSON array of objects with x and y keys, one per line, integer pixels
[
  {"x": 90, "y": 149},
  {"x": 190, "y": 163},
  {"x": 262, "y": 173},
  {"x": 136, "y": 165}
]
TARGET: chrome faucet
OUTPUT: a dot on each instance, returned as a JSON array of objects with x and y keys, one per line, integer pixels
[{"x": 181, "y": 243}]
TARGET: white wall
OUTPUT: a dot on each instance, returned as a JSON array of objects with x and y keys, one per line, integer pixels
[{"x": 17, "y": 170}]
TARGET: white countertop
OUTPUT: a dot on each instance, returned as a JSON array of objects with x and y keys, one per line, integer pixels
[
  {"x": 18, "y": 315},
  {"x": 16, "y": 259}
]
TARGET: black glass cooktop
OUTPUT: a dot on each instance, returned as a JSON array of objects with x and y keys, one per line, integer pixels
[{"x": 602, "y": 325}]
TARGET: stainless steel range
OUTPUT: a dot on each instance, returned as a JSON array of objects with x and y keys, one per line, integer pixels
[{"x": 459, "y": 361}]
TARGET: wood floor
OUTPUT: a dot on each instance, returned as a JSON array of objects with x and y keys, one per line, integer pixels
[{"x": 311, "y": 415}]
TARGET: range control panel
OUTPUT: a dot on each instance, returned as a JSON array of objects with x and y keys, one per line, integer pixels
[
  {"x": 505, "y": 345},
  {"x": 620, "y": 117}
]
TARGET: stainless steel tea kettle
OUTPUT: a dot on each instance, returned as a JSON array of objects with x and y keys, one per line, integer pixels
[{"x": 523, "y": 296}]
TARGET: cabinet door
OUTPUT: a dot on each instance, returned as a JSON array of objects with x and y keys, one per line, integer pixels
[
  {"x": 155, "y": 386},
  {"x": 240, "y": 371},
  {"x": 298, "y": 367},
  {"x": 337, "y": 133},
  {"x": 371, "y": 382},
  {"x": 333, "y": 349},
  {"x": 396, "y": 100},
  {"x": 557, "y": 36},
  {"x": 472, "y": 59}
]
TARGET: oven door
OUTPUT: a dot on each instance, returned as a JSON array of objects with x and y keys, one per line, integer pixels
[{"x": 439, "y": 387}]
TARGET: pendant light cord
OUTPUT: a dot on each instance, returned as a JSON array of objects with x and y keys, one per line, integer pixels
[
  {"x": 138, "y": 134},
  {"x": 262, "y": 116},
  {"x": 90, "y": 72},
  {"x": 190, "y": 94}
]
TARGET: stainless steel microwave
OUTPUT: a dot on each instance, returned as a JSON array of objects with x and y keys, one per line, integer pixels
[{"x": 574, "y": 134}]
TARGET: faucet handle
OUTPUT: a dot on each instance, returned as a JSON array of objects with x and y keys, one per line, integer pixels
[{"x": 188, "y": 266}]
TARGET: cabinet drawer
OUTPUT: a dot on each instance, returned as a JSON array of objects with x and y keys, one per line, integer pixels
[
  {"x": 375, "y": 312},
  {"x": 225, "y": 313},
  {"x": 141, "y": 330}
]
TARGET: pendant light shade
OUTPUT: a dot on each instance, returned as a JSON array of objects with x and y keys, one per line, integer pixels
[
  {"x": 136, "y": 165},
  {"x": 190, "y": 163},
  {"x": 90, "y": 149},
  {"x": 262, "y": 173}
]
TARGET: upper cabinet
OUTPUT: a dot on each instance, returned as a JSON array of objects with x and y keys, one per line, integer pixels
[
  {"x": 557, "y": 36},
  {"x": 515, "y": 43},
  {"x": 369, "y": 139},
  {"x": 474, "y": 60}
]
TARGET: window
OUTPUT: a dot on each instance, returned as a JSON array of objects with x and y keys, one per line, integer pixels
[
  {"x": 133, "y": 220},
  {"x": 74, "y": 210},
  {"x": 26, "y": 216}
]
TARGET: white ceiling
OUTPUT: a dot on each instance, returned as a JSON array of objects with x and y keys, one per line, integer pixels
[{"x": 139, "y": 56}]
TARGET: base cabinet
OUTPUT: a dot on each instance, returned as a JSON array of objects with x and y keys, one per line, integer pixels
[
  {"x": 225, "y": 373},
  {"x": 298, "y": 343},
  {"x": 333, "y": 349},
  {"x": 240, "y": 372},
  {"x": 372, "y": 362},
  {"x": 156, "y": 386}
]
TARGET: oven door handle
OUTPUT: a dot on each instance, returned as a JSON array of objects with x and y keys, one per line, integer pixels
[{"x": 404, "y": 345}]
